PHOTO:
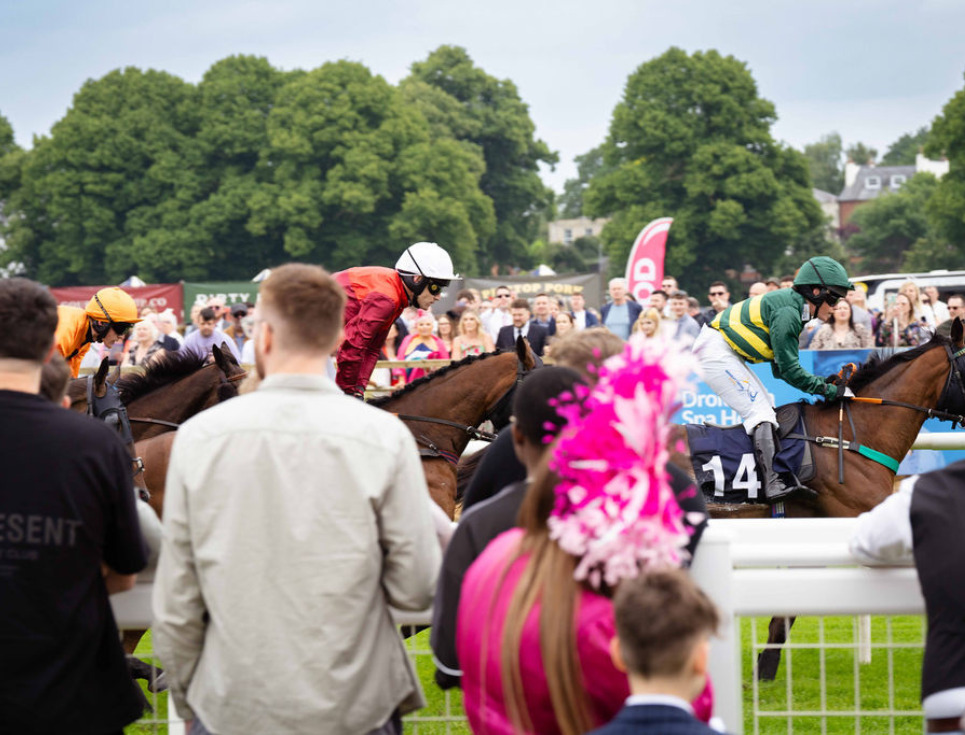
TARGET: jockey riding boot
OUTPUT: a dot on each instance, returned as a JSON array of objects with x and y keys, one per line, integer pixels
[{"x": 765, "y": 447}]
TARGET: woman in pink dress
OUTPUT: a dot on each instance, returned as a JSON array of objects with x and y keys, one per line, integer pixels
[
  {"x": 535, "y": 616},
  {"x": 472, "y": 339}
]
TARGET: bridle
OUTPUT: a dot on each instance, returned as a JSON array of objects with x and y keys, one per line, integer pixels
[
  {"x": 952, "y": 396},
  {"x": 225, "y": 381},
  {"x": 501, "y": 408},
  {"x": 111, "y": 410}
]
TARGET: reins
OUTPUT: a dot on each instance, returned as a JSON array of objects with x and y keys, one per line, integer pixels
[
  {"x": 430, "y": 449},
  {"x": 225, "y": 380},
  {"x": 954, "y": 379}
]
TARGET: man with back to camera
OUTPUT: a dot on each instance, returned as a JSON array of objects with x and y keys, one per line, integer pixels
[
  {"x": 376, "y": 298},
  {"x": 619, "y": 315},
  {"x": 69, "y": 537},
  {"x": 108, "y": 318},
  {"x": 294, "y": 516},
  {"x": 922, "y": 523}
]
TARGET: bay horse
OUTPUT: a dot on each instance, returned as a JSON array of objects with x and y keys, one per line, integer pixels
[
  {"x": 173, "y": 388},
  {"x": 893, "y": 397},
  {"x": 443, "y": 409}
]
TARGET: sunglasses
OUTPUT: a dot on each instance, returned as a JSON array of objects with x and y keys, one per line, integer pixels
[{"x": 716, "y": 293}]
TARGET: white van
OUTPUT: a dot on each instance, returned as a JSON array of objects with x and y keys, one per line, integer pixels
[{"x": 883, "y": 288}]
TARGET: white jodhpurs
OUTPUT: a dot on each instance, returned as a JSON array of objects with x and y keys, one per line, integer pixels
[{"x": 730, "y": 378}]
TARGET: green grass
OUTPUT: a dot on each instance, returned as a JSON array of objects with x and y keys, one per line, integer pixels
[{"x": 849, "y": 686}]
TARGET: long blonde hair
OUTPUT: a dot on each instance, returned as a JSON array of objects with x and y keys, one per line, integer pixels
[{"x": 548, "y": 578}]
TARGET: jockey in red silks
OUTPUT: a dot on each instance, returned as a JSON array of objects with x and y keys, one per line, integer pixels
[{"x": 376, "y": 298}]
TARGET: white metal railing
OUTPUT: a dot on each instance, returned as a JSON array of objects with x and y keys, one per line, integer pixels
[{"x": 787, "y": 567}]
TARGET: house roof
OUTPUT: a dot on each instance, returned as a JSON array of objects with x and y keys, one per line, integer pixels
[
  {"x": 859, "y": 191},
  {"x": 823, "y": 196}
]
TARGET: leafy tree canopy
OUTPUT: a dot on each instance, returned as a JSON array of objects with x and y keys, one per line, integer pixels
[
  {"x": 861, "y": 154},
  {"x": 903, "y": 151},
  {"x": 947, "y": 138},
  {"x": 691, "y": 140},
  {"x": 588, "y": 166},
  {"x": 253, "y": 166},
  {"x": 892, "y": 224},
  {"x": 489, "y": 114},
  {"x": 824, "y": 163}
]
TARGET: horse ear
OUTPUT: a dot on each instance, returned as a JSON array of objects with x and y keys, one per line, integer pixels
[
  {"x": 219, "y": 357},
  {"x": 521, "y": 348},
  {"x": 957, "y": 332}
]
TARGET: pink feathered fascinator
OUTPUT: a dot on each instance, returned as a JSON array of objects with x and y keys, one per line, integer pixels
[{"x": 615, "y": 510}]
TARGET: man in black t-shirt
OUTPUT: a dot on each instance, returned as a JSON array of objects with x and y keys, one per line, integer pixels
[{"x": 68, "y": 537}]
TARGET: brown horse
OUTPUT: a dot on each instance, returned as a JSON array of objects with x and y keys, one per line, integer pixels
[
  {"x": 443, "y": 410},
  {"x": 893, "y": 399},
  {"x": 173, "y": 389}
]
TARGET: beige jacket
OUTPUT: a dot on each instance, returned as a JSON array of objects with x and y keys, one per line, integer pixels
[{"x": 293, "y": 517}]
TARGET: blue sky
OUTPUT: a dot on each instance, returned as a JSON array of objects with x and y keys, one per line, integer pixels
[{"x": 870, "y": 69}]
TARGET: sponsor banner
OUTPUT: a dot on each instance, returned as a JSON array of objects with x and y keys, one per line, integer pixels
[
  {"x": 702, "y": 406},
  {"x": 159, "y": 296},
  {"x": 233, "y": 292},
  {"x": 645, "y": 264},
  {"x": 525, "y": 286}
]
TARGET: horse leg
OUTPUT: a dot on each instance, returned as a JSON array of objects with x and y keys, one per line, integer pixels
[{"x": 770, "y": 658}]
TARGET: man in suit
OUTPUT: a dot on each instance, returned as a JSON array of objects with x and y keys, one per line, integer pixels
[
  {"x": 521, "y": 327},
  {"x": 581, "y": 317},
  {"x": 620, "y": 314},
  {"x": 664, "y": 623},
  {"x": 922, "y": 523}
]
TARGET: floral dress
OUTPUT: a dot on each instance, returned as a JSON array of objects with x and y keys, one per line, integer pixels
[{"x": 891, "y": 335}]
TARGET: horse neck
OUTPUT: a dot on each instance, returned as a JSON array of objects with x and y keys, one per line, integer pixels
[
  {"x": 471, "y": 392},
  {"x": 182, "y": 399},
  {"x": 918, "y": 382}
]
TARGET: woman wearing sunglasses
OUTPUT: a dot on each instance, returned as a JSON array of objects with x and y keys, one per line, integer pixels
[
  {"x": 107, "y": 318},
  {"x": 376, "y": 298},
  {"x": 766, "y": 328}
]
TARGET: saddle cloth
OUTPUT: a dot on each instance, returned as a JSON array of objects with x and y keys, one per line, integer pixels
[{"x": 724, "y": 464}]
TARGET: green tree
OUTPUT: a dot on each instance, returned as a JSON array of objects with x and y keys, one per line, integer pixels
[
  {"x": 892, "y": 224},
  {"x": 357, "y": 173},
  {"x": 825, "y": 164},
  {"x": 903, "y": 151},
  {"x": 491, "y": 116},
  {"x": 589, "y": 165},
  {"x": 861, "y": 154},
  {"x": 691, "y": 140},
  {"x": 89, "y": 191},
  {"x": 947, "y": 138}
]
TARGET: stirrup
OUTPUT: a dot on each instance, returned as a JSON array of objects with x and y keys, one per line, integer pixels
[{"x": 801, "y": 491}]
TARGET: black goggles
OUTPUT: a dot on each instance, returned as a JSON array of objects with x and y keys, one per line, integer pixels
[
  {"x": 121, "y": 328},
  {"x": 833, "y": 295},
  {"x": 435, "y": 287}
]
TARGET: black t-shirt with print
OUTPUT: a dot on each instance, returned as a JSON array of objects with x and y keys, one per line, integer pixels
[{"x": 65, "y": 505}]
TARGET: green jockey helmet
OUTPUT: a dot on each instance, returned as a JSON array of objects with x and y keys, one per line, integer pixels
[{"x": 825, "y": 273}]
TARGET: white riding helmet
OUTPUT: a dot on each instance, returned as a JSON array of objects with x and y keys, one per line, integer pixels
[{"x": 426, "y": 259}]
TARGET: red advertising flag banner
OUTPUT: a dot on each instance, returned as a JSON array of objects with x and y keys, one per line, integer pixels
[
  {"x": 159, "y": 297},
  {"x": 645, "y": 264}
]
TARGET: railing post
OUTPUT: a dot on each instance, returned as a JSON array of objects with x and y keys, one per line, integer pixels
[{"x": 713, "y": 571}]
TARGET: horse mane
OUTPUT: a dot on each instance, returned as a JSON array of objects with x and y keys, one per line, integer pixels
[
  {"x": 167, "y": 368},
  {"x": 877, "y": 366},
  {"x": 419, "y": 382}
]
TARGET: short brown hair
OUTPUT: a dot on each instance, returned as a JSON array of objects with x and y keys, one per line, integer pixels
[
  {"x": 520, "y": 304},
  {"x": 308, "y": 303},
  {"x": 54, "y": 378},
  {"x": 583, "y": 349},
  {"x": 660, "y": 617},
  {"x": 28, "y": 319}
]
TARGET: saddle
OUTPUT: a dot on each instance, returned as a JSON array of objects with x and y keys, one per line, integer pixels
[{"x": 725, "y": 468}]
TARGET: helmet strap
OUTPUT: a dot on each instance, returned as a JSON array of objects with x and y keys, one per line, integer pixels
[{"x": 415, "y": 289}]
